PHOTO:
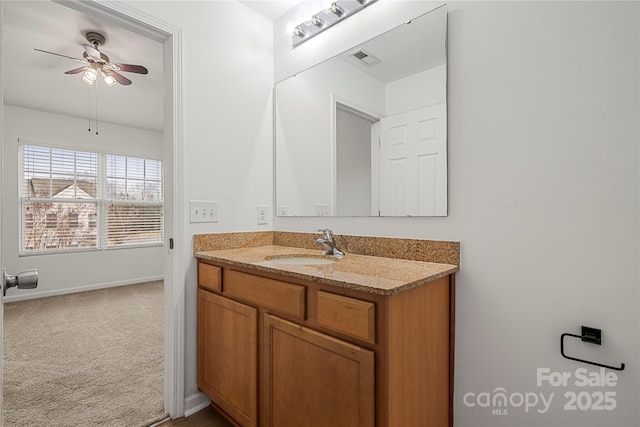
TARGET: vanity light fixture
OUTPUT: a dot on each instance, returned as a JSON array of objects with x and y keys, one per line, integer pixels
[{"x": 324, "y": 19}]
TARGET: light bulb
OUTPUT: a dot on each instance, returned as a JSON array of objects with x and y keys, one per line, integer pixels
[
  {"x": 336, "y": 9},
  {"x": 109, "y": 80},
  {"x": 317, "y": 21},
  {"x": 298, "y": 31},
  {"x": 91, "y": 74},
  {"x": 89, "y": 78}
]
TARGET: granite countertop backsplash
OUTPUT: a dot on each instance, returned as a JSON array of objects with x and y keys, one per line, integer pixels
[{"x": 367, "y": 271}]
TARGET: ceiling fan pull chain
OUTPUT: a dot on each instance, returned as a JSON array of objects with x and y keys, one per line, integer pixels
[
  {"x": 89, "y": 115},
  {"x": 96, "y": 109}
]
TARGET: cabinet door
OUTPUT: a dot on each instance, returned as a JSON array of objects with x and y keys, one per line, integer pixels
[
  {"x": 227, "y": 355},
  {"x": 314, "y": 380}
]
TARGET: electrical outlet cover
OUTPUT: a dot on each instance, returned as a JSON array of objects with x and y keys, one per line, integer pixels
[{"x": 262, "y": 214}]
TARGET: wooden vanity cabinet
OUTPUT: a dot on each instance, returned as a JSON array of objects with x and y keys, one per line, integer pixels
[{"x": 319, "y": 355}]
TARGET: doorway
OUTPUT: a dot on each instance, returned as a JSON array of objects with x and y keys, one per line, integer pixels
[
  {"x": 354, "y": 145},
  {"x": 173, "y": 269}
]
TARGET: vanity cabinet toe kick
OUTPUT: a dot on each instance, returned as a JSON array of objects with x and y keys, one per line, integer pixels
[{"x": 279, "y": 351}]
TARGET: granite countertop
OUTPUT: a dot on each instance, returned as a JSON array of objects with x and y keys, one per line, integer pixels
[{"x": 372, "y": 274}]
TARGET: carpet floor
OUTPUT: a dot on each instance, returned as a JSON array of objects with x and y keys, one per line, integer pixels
[{"x": 86, "y": 359}]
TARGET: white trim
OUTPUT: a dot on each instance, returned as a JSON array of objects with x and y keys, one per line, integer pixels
[
  {"x": 45, "y": 294},
  {"x": 174, "y": 317},
  {"x": 1, "y": 223},
  {"x": 175, "y": 313},
  {"x": 196, "y": 403}
]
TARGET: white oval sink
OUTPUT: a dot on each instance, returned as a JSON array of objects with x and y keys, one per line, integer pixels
[{"x": 301, "y": 259}]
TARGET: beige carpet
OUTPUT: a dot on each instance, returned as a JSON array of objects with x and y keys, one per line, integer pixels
[{"x": 87, "y": 359}]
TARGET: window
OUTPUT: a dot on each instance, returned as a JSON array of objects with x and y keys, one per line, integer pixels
[
  {"x": 52, "y": 220},
  {"x": 84, "y": 200},
  {"x": 73, "y": 219},
  {"x": 28, "y": 221},
  {"x": 134, "y": 193}
]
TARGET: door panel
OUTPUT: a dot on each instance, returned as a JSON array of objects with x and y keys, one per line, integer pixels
[
  {"x": 316, "y": 380},
  {"x": 228, "y": 355}
]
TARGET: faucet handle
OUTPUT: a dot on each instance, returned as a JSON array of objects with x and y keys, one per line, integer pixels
[{"x": 328, "y": 234}]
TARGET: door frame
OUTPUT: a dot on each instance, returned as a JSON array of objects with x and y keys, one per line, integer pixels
[
  {"x": 1, "y": 227},
  {"x": 335, "y": 101},
  {"x": 174, "y": 269}
]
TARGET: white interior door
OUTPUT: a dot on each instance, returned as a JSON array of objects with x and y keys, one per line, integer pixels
[{"x": 413, "y": 163}]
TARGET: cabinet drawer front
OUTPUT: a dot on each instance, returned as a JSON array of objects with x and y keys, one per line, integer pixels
[
  {"x": 209, "y": 276},
  {"x": 283, "y": 297},
  {"x": 348, "y": 316}
]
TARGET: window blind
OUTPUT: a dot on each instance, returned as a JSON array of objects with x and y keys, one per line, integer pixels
[
  {"x": 73, "y": 199},
  {"x": 134, "y": 209}
]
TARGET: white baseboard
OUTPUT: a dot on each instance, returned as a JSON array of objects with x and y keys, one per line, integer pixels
[
  {"x": 34, "y": 295},
  {"x": 195, "y": 403}
]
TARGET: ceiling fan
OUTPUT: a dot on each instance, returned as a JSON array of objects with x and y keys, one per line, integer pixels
[{"x": 99, "y": 64}]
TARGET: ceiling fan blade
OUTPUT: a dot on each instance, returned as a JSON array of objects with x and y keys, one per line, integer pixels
[
  {"x": 58, "y": 54},
  {"x": 92, "y": 52},
  {"x": 130, "y": 68},
  {"x": 120, "y": 78},
  {"x": 76, "y": 70}
]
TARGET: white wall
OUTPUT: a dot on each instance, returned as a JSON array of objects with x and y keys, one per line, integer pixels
[
  {"x": 66, "y": 272},
  {"x": 227, "y": 69},
  {"x": 416, "y": 91},
  {"x": 543, "y": 113}
]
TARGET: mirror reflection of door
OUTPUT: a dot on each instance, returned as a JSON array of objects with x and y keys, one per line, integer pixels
[
  {"x": 394, "y": 166},
  {"x": 413, "y": 165},
  {"x": 354, "y": 162}
]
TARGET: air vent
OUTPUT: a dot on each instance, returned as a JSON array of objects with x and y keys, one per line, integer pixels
[{"x": 366, "y": 58}]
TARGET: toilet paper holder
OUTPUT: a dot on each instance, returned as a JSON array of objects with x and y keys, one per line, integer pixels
[{"x": 591, "y": 336}]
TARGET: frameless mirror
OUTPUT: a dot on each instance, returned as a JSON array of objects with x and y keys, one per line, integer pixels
[{"x": 365, "y": 132}]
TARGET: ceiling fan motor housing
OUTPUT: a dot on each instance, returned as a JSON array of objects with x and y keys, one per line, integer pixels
[{"x": 95, "y": 38}]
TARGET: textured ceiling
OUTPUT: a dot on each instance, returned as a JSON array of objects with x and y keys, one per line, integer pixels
[{"x": 271, "y": 9}]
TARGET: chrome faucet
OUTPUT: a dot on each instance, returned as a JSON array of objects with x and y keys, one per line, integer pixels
[{"x": 328, "y": 244}]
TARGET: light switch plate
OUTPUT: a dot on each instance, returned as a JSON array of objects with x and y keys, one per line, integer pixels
[{"x": 203, "y": 211}]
